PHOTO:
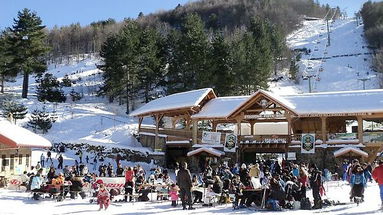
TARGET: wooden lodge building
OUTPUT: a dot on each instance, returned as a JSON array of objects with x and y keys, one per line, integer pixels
[{"x": 200, "y": 126}]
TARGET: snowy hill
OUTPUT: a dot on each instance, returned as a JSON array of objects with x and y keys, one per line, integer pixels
[
  {"x": 94, "y": 121},
  {"x": 338, "y": 67}
]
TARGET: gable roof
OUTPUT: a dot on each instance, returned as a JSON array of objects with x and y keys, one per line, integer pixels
[
  {"x": 220, "y": 108},
  {"x": 275, "y": 98},
  {"x": 343, "y": 102},
  {"x": 180, "y": 101},
  {"x": 15, "y": 136}
]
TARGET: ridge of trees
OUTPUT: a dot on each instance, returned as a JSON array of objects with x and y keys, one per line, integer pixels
[
  {"x": 226, "y": 15},
  {"x": 372, "y": 14}
]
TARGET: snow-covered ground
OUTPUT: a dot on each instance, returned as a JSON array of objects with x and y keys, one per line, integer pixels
[
  {"x": 21, "y": 203},
  {"x": 337, "y": 67}
]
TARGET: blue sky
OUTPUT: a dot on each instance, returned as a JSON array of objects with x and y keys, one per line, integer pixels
[
  {"x": 65, "y": 12},
  {"x": 350, "y": 6}
]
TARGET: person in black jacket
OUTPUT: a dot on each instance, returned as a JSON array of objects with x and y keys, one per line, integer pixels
[
  {"x": 316, "y": 183},
  {"x": 185, "y": 183}
]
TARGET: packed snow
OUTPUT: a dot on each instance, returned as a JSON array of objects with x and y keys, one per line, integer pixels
[{"x": 338, "y": 192}]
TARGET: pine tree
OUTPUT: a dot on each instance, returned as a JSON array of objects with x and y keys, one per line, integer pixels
[
  {"x": 13, "y": 110},
  {"x": 221, "y": 64},
  {"x": 5, "y": 59},
  {"x": 40, "y": 120},
  {"x": 27, "y": 46},
  {"x": 189, "y": 62},
  {"x": 49, "y": 89},
  {"x": 150, "y": 62}
]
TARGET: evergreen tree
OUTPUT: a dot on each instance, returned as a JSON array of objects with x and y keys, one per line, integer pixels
[
  {"x": 40, "y": 120},
  {"x": 66, "y": 82},
  {"x": 49, "y": 89},
  {"x": 75, "y": 96},
  {"x": 27, "y": 46},
  {"x": 189, "y": 63},
  {"x": 221, "y": 64},
  {"x": 13, "y": 110},
  {"x": 150, "y": 62},
  {"x": 5, "y": 59},
  {"x": 263, "y": 61}
]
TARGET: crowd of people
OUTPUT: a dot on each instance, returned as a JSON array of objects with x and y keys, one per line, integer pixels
[{"x": 272, "y": 184}]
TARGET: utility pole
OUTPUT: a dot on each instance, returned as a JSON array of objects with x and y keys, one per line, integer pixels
[{"x": 364, "y": 82}]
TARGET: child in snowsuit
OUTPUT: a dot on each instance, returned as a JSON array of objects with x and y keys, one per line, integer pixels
[
  {"x": 173, "y": 193},
  {"x": 103, "y": 197}
]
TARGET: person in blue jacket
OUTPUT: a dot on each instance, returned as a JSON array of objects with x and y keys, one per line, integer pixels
[{"x": 358, "y": 182}]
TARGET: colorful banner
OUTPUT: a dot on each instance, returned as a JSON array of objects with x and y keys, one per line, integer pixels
[{"x": 308, "y": 144}]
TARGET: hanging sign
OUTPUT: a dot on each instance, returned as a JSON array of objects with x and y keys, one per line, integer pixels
[
  {"x": 230, "y": 142},
  {"x": 308, "y": 144},
  {"x": 211, "y": 137}
]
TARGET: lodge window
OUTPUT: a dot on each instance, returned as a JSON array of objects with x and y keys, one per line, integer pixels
[
  {"x": 4, "y": 162},
  {"x": 12, "y": 165},
  {"x": 20, "y": 159},
  {"x": 27, "y": 160}
]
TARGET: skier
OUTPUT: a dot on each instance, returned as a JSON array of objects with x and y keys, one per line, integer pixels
[{"x": 377, "y": 174}]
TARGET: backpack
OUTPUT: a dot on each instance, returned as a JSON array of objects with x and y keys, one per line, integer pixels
[{"x": 305, "y": 204}]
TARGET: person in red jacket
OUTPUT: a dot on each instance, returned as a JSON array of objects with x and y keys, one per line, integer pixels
[
  {"x": 377, "y": 174},
  {"x": 129, "y": 177}
]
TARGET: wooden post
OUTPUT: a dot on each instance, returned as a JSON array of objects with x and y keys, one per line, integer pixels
[
  {"x": 252, "y": 123},
  {"x": 239, "y": 126},
  {"x": 360, "y": 129},
  {"x": 324, "y": 128},
  {"x": 195, "y": 131},
  {"x": 214, "y": 125},
  {"x": 156, "y": 139},
  {"x": 288, "y": 117},
  {"x": 140, "y": 119}
]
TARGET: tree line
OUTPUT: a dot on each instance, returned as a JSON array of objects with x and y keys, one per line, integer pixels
[
  {"x": 228, "y": 16},
  {"x": 139, "y": 60},
  {"x": 372, "y": 14},
  {"x": 225, "y": 28}
]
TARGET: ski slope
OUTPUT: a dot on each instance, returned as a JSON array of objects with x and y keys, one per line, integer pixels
[{"x": 339, "y": 66}]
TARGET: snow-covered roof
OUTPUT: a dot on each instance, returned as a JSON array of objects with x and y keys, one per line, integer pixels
[
  {"x": 15, "y": 136},
  {"x": 346, "y": 150},
  {"x": 209, "y": 150},
  {"x": 176, "y": 101},
  {"x": 343, "y": 102},
  {"x": 220, "y": 107},
  {"x": 309, "y": 104}
]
